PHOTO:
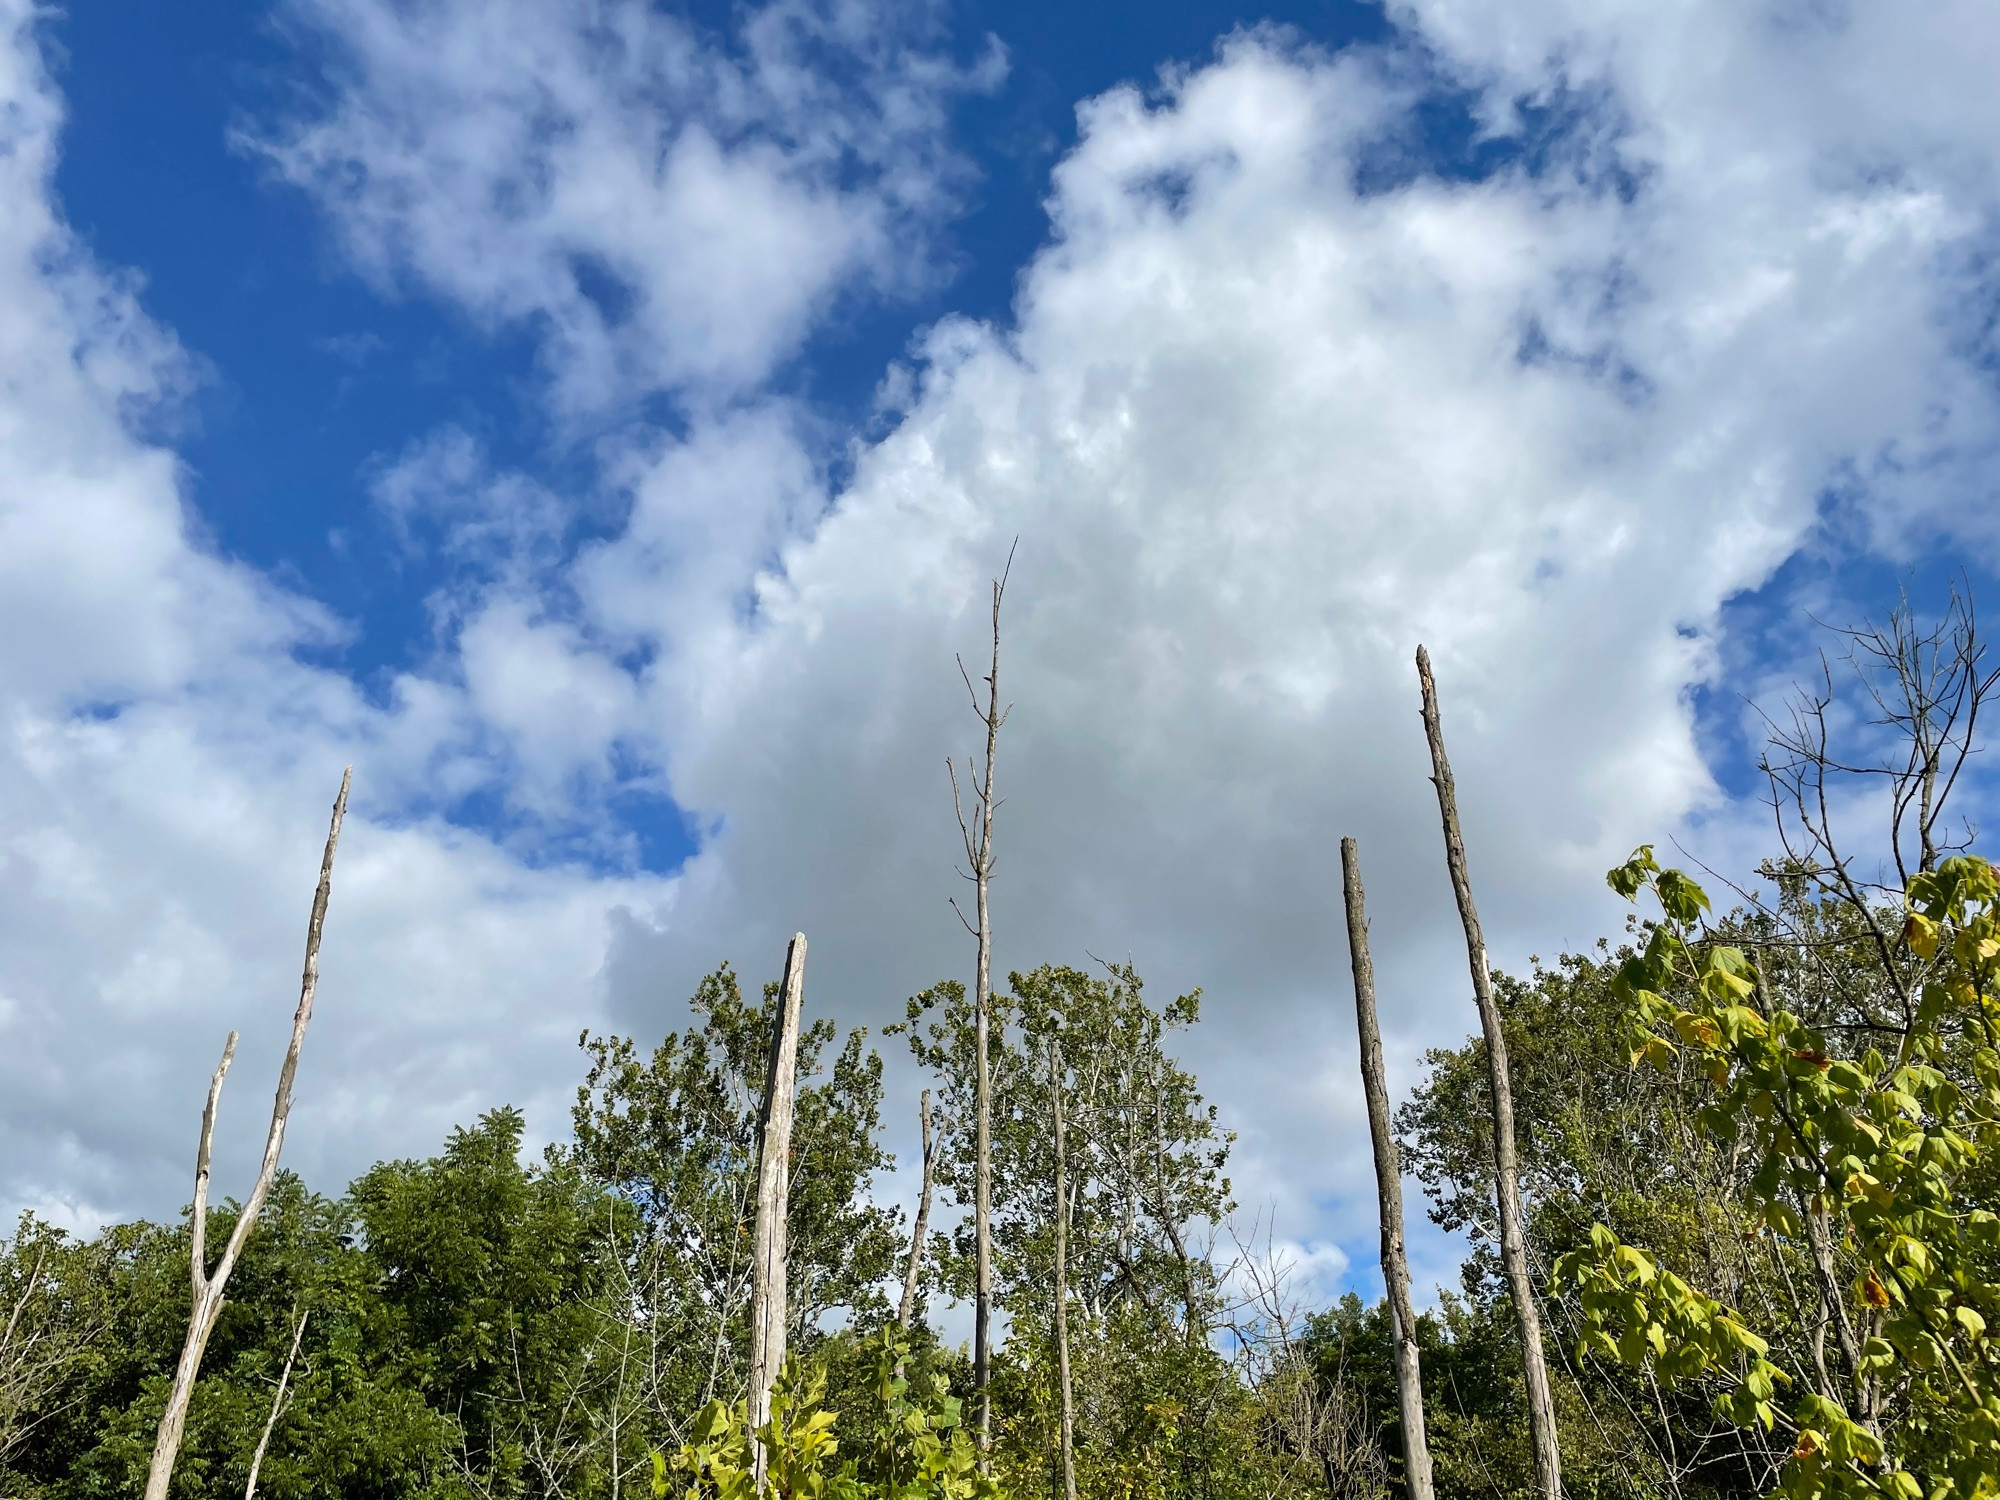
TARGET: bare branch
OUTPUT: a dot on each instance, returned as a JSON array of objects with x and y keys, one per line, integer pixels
[
  {"x": 914, "y": 1274},
  {"x": 958, "y": 809},
  {"x": 198, "y": 1220},
  {"x": 277, "y": 1406},
  {"x": 209, "y": 1288}
]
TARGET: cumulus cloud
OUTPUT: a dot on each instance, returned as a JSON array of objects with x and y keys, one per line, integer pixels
[
  {"x": 1261, "y": 431},
  {"x": 1266, "y": 414}
]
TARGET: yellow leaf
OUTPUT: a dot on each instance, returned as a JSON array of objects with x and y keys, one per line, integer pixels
[
  {"x": 1696, "y": 1031},
  {"x": 1921, "y": 933}
]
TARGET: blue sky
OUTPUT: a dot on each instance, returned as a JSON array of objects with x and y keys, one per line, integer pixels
[{"x": 596, "y": 421}]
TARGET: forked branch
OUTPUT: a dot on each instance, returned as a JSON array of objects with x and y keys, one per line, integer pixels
[{"x": 209, "y": 1285}]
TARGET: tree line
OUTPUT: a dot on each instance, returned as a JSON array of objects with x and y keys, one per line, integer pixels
[{"x": 1727, "y": 1182}]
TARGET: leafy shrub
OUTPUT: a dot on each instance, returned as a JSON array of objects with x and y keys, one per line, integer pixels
[{"x": 914, "y": 1446}]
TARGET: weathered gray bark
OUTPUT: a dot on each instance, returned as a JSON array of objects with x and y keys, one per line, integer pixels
[
  {"x": 1506, "y": 1170},
  {"x": 1062, "y": 1276},
  {"x": 907, "y": 1309},
  {"x": 277, "y": 1407},
  {"x": 1388, "y": 1182},
  {"x": 978, "y": 836},
  {"x": 774, "y": 1176},
  {"x": 209, "y": 1285}
]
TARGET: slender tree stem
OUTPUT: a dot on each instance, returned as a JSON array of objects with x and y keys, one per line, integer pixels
[
  {"x": 978, "y": 836},
  {"x": 277, "y": 1407},
  {"x": 1062, "y": 1275},
  {"x": 1388, "y": 1182},
  {"x": 911, "y": 1277},
  {"x": 1506, "y": 1168}
]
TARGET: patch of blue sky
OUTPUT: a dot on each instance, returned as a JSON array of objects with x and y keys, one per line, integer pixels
[{"x": 1770, "y": 642}]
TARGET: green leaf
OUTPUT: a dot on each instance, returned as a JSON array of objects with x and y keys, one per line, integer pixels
[
  {"x": 1681, "y": 899},
  {"x": 1629, "y": 878}
]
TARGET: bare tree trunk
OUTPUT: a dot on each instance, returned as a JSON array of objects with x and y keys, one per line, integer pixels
[
  {"x": 978, "y": 836},
  {"x": 1062, "y": 1277},
  {"x": 1388, "y": 1182},
  {"x": 1506, "y": 1169},
  {"x": 277, "y": 1407},
  {"x": 917, "y": 1230},
  {"x": 774, "y": 1176},
  {"x": 208, "y": 1286}
]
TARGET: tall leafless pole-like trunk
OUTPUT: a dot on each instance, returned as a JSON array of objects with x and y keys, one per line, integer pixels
[
  {"x": 914, "y": 1274},
  {"x": 774, "y": 1178},
  {"x": 1388, "y": 1182},
  {"x": 1062, "y": 1276},
  {"x": 277, "y": 1408},
  {"x": 1506, "y": 1169},
  {"x": 209, "y": 1285},
  {"x": 978, "y": 836}
]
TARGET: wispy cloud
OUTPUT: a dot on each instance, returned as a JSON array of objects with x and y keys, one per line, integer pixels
[{"x": 673, "y": 209}]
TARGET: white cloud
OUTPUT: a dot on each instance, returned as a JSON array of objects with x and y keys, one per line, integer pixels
[
  {"x": 671, "y": 211},
  {"x": 165, "y": 766},
  {"x": 1260, "y": 432}
]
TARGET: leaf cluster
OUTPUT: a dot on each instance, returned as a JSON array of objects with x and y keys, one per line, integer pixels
[{"x": 1871, "y": 1158}]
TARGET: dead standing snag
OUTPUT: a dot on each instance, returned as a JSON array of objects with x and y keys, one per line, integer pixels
[
  {"x": 209, "y": 1285},
  {"x": 774, "y": 1178},
  {"x": 978, "y": 837},
  {"x": 1506, "y": 1168},
  {"x": 1388, "y": 1182}
]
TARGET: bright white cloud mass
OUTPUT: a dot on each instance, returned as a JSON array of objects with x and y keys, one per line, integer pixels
[{"x": 1277, "y": 402}]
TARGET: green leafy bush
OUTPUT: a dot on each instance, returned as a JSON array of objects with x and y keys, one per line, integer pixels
[
  {"x": 1868, "y": 1162},
  {"x": 914, "y": 1445}
]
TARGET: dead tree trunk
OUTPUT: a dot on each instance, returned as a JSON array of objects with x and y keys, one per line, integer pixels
[
  {"x": 914, "y": 1274},
  {"x": 1062, "y": 1276},
  {"x": 1388, "y": 1183},
  {"x": 978, "y": 836},
  {"x": 1506, "y": 1169},
  {"x": 774, "y": 1176},
  {"x": 277, "y": 1408},
  {"x": 208, "y": 1286}
]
